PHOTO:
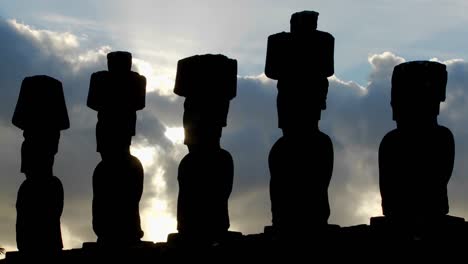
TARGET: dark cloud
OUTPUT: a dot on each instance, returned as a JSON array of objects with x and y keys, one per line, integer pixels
[
  {"x": 356, "y": 119},
  {"x": 27, "y": 51}
]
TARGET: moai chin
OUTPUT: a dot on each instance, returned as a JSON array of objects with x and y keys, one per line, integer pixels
[
  {"x": 301, "y": 162},
  {"x": 416, "y": 159},
  {"x": 41, "y": 113},
  {"x": 116, "y": 95},
  {"x": 208, "y": 83}
]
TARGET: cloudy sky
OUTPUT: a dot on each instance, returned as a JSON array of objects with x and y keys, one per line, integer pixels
[{"x": 69, "y": 40}]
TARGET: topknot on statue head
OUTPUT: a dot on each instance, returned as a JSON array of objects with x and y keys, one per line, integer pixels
[
  {"x": 119, "y": 61},
  {"x": 304, "y": 22},
  {"x": 206, "y": 77}
]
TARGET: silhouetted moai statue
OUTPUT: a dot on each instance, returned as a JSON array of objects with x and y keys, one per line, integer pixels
[
  {"x": 41, "y": 113},
  {"x": 301, "y": 162},
  {"x": 208, "y": 83},
  {"x": 416, "y": 159},
  {"x": 116, "y": 95}
]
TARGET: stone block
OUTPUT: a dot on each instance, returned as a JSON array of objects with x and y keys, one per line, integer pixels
[
  {"x": 292, "y": 56},
  {"x": 207, "y": 76},
  {"x": 304, "y": 22}
]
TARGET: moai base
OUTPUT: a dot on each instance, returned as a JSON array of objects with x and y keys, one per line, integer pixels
[
  {"x": 116, "y": 95},
  {"x": 208, "y": 82},
  {"x": 41, "y": 113},
  {"x": 301, "y": 61},
  {"x": 416, "y": 159}
]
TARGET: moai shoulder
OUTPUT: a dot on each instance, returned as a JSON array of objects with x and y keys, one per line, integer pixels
[{"x": 41, "y": 105}]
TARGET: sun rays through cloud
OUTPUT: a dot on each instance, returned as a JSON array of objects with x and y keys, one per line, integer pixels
[
  {"x": 157, "y": 218},
  {"x": 175, "y": 134},
  {"x": 155, "y": 80},
  {"x": 43, "y": 37}
]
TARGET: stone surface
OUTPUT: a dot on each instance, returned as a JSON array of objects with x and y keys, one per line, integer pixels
[
  {"x": 207, "y": 77},
  {"x": 41, "y": 105},
  {"x": 117, "y": 190},
  {"x": 308, "y": 56}
]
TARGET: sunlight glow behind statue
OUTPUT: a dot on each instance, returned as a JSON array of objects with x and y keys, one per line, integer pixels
[
  {"x": 208, "y": 82},
  {"x": 301, "y": 161},
  {"x": 41, "y": 113},
  {"x": 116, "y": 95}
]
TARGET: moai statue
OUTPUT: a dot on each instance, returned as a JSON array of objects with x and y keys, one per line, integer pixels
[
  {"x": 116, "y": 95},
  {"x": 416, "y": 159},
  {"x": 208, "y": 83},
  {"x": 301, "y": 161},
  {"x": 41, "y": 113}
]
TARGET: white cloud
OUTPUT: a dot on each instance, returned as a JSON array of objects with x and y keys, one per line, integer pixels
[
  {"x": 175, "y": 134},
  {"x": 261, "y": 77},
  {"x": 68, "y": 20},
  {"x": 356, "y": 119},
  {"x": 383, "y": 64},
  {"x": 49, "y": 40},
  {"x": 60, "y": 55},
  {"x": 157, "y": 80}
]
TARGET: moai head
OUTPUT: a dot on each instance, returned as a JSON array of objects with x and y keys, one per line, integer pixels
[
  {"x": 119, "y": 89},
  {"x": 304, "y": 22},
  {"x": 119, "y": 61},
  {"x": 418, "y": 88},
  {"x": 38, "y": 153},
  {"x": 301, "y": 61},
  {"x": 41, "y": 112},
  {"x": 41, "y": 105},
  {"x": 302, "y": 54},
  {"x": 116, "y": 95},
  {"x": 208, "y": 82}
]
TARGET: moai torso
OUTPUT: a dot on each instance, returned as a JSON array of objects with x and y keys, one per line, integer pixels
[
  {"x": 415, "y": 167},
  {"x": 116, "y": 95},
  {"x": 117, "y": 190},
  {"x": 39, "y": 208},
  {"x": 205, "y": 184},
  {"x": 416, "y": 159},
  {"x": 41, "y": 113},
  {"x": 300, "y": 175},
  {"x": 206, "y": 173},
  {"x": 301, "y": 162}
]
